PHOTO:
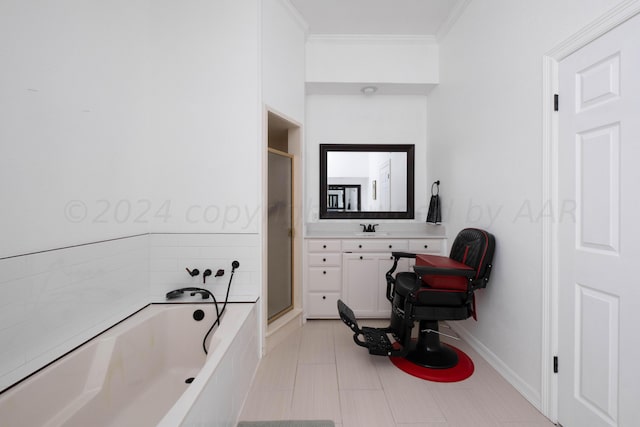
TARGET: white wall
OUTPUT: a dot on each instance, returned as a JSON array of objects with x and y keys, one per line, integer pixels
[
  {"x": 485, "y": 134},
  {"x": 128, "y": 117},
  {"x": 73, "y": 138},
  {"x": 382, "y": 59},
  {"x": 359, "y": 119},
  {"x": 283, "y": 53},
  {"x": 206, "y": 116}
]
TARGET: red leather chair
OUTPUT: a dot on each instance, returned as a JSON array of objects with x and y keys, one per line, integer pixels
[{"x": 439, "y": 288}]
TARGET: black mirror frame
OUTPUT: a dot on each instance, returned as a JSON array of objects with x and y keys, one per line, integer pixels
[{"x": 404, "y": 148}]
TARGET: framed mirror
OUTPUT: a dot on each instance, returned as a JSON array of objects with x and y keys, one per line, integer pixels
[{"x": 367, "y": 181}]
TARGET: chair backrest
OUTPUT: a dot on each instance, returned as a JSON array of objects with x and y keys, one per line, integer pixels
[{"x": 474, "y": 247}]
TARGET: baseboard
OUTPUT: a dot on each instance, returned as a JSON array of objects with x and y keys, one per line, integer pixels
[
  {"x": 279, "y": 330},
  {"x": 507, "y": 373}
]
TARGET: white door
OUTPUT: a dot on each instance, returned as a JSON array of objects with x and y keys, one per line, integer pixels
[
  {"x": 599, "y": 241},
  {"x": 384, "y": 177}
]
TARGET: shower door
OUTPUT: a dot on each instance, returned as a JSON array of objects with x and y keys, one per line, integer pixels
[{"x": 280, "y": 234}]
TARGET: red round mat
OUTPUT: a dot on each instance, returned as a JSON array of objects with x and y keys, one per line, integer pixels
[{"x": 461, "y": 371}]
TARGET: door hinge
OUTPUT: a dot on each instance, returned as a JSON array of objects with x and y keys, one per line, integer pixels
[
  {"x": 555, "y": 364},
  {"x": 555, "y": 102}
]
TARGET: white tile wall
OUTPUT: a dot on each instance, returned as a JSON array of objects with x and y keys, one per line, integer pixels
[
  {"x": 171, "y": 254},
  {"x": 54, "y": 301}
]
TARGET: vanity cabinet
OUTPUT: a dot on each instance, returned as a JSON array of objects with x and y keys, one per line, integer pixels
[
  {"x": 324, "y": 277},
  {"x": 354, "y": 270},
  {"x": 365, "y": 284}
]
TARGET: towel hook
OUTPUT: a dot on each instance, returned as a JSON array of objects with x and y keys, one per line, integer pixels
[{"x": 437, "y": 184}]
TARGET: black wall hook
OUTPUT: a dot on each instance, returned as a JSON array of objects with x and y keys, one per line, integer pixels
[{"x": 437, "y": 184}]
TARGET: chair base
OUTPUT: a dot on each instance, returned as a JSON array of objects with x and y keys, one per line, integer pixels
[
  {"x": 442, "y": 357},
  {"x": 461, "y": 371},
  {"x": 428, "y": 351}
]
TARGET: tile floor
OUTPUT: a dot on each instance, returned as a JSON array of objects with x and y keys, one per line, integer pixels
[{"x": 319, "y": 373}]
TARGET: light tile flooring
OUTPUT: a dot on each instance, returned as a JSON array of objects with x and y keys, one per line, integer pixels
[{"x": 319, "y": 373}]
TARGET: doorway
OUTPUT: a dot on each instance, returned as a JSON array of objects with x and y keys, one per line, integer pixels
[
  {"x": 280, "y": 234},
  {"x": 283, "y": 214}
]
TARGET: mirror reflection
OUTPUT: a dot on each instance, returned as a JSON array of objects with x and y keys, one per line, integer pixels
[
  {"x": 366, "y": 181},
  {"x": 343, "y": 198}
]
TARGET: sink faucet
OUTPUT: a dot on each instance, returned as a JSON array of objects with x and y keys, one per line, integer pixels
[{"x": 370, "y": 228}]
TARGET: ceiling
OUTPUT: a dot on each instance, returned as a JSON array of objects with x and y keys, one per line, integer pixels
[{"x": 376, "y": 17}]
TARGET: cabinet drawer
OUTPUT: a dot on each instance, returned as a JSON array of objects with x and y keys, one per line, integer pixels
[
  {"x": 324, "y": 245},
  {"x": 325, "y": 279},
  {"x": 433, "y": 246},
  {"x": 329, "y": 259},
  {"x": 374, "y": 245},
  {"x": 323, "y": 304}
]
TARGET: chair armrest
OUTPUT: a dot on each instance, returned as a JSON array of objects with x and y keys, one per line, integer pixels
[
  {"x": 397, "y": 255},
  {"x": 389, "y": 275},
  {"x": 422, "y": 270}
]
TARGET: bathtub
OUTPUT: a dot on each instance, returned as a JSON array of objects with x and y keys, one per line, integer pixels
[{"x": 149, "y": 370}]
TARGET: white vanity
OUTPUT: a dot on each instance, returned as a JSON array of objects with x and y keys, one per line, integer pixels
[{"x": 341, "y": 263}]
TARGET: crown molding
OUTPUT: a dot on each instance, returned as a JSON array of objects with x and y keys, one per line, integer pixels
[
  {"x": 453, "y": 17},
  {"x": 297, "y": 17},
  {"x": 616, "y": 16}
]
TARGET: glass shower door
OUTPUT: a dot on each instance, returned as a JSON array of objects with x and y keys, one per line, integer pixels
[{"x": 279, "y": 234}]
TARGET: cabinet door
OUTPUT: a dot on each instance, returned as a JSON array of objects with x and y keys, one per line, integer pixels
[
  {"x": 364, "y": 286},
  {"x": 324, "y": 279},
  {"x": 323, "y": 305},
  {"x": 360, "y": 283}
]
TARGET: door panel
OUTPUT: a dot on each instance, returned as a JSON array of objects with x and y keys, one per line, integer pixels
[
  {"x": 598, "y": 250},
  {"x": 279, "y": 237},
  {"x": 598, "y": 188}
]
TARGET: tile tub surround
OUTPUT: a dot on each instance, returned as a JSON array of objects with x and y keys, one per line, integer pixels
[
  {"x": 136, "y": 373},
  {"x": 170, "y": 254},
  {"x": 55, "y": 300}
]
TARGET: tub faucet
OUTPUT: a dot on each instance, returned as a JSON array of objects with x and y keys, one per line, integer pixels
[
  {"x": 176, "y": 293},
  {"x": 208, "y": 273},
  {"x": 193, "y": 273}
]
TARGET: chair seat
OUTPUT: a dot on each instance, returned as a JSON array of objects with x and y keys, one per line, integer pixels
[{"x": 433, "y": 290}]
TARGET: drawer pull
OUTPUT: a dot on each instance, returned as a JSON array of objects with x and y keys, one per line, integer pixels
[
  {"x": 390, "y": 246},
  {"x": 360, "y": 246},
  {"x": 324, "y": 246},
  {"x": 324, "y": 297},
  {"x": 324, "y": 260},
  {"x": 426, "y": 246},
  {"x": 360, "y": 257},
  {"x": 324, "y": 272}
]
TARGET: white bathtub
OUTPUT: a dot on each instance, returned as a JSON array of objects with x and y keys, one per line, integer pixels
[{"x": 137, "y": 373}]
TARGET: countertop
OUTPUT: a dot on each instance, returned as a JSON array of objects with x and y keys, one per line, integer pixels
[{"x": 383, "y": 231}]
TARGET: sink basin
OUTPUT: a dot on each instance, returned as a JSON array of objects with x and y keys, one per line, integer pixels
[{"x": 374, "y": 234}]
